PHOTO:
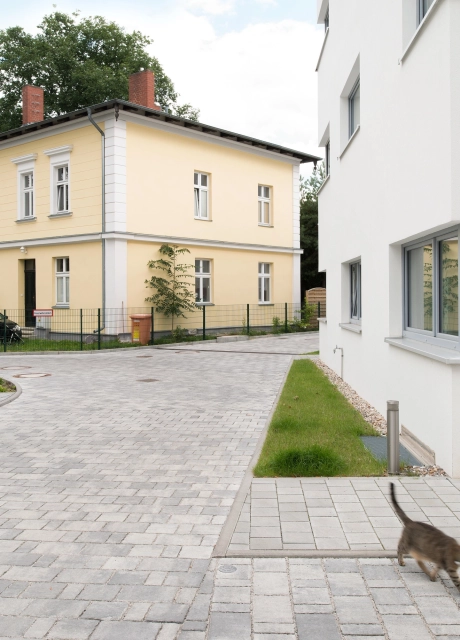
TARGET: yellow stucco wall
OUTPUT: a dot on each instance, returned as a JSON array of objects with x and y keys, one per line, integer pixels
[
  {"x": 160, "y": 200},
  {"x": 85, "y": 187},
  {"x": 85, "y": 275},
  {"x": 234, "y": 278}
]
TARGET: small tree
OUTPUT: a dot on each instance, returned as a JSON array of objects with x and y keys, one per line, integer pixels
[{"x": 173, "y": 293}]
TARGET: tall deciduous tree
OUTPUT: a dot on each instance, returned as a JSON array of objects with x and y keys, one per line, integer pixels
[
  {"x": 174, "y": 295},
  {"x": 309, "y": 188},
  {"x": 78, "y": 62}
]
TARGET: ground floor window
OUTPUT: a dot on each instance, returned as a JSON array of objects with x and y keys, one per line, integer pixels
[
  {"x": 62, "y": 281},
  {"x": 202, "y": 281},
  {"x": 264, "y": 282},
  {"x": 431, "y": 286},
  {"x": 355, "y": 277}
]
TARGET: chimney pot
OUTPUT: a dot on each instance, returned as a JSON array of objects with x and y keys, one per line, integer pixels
[
  {"x": 33, "y": 104},
  {"x": 142, "y": 89}
]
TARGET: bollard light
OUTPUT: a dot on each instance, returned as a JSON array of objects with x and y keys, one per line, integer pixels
[{"x": 393, "y": 436}]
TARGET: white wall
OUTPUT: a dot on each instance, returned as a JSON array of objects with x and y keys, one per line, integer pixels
[{"x": 394, "y": 182}]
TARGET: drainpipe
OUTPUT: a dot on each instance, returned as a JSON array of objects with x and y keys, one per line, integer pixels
[{"x": 90, "y": 118}]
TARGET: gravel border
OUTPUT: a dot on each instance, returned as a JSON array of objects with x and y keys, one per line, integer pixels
[{"x": 372, "y": 416}]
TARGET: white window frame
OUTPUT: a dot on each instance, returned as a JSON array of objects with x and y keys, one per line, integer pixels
[
  {"x": 435, "y": 336},
  {"x": 355, "y": 296},
  {"x": 65, "y": 276},
  {"x": 422, "y": 10},
  {"x": 352, "y": 125},
  {"x": 62, "y": 185},
  {"x": 199, "y": 190},
  {"x": 59, "y": 157},
  {"x": 262, "y": 200},
  {"x": 26, "y": 166},
  {"x": 201, "y": 275},
  {"x": 263, "y": 275}
]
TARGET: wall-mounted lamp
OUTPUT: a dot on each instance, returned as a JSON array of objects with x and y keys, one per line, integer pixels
[{"x": 23, "y": 250}]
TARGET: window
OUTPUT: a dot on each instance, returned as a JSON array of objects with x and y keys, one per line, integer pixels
[
  {"x": 264, "y": 205},
  {"x": 202, "y": 281},
  {"x": 354, "y": 108},
  {"x": 422, "y": 9},
  {"x": 327, "y": 160},
  {"x": 201, "y": 184},
  {"x": 431, "y": 283},
  {"x": 326, "y": 20},
  {"x": 264, "y": 282},
  {"x": 62, "y": 188},
  {"x": 27, "y": 195},
  {"x": 62, "y": 281},
  {"x": 355, "y": 277}
]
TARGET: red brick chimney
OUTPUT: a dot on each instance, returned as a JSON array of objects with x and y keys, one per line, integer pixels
[
  {"x": 33, "y": 109},
  {"x": 142, "y": 89}
]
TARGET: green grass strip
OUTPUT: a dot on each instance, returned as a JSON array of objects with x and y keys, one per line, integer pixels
[{"x": 315, "y": 431}]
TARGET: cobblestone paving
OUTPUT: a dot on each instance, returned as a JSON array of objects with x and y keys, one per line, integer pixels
[
  {"x": 340, "y": 513},
  {"x": 297, "y": 344}
]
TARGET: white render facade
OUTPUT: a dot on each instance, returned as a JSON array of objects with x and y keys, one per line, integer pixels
[{"x": 389, "y": 212}]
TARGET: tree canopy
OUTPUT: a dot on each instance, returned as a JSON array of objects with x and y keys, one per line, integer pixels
[
  {"x": 78, "y": 62},
  {"x": 309, "y": 188}
]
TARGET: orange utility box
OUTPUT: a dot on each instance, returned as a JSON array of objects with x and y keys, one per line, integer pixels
[{"x": 141, "y": 327}]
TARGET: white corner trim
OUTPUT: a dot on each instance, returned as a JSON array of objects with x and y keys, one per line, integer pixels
[
  {"x": 31, "y": 157},
  {"x": 296, "y": 207},
  {"x": 54, "y": 152},
  {"x": 420, "y": 28},
  {"x": 322, "y": 49},
  {"x": 350, "y": 140},
  {"x": 115, "y": 176}
]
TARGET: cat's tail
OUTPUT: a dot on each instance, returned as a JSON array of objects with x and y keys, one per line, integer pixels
[{"x": 402, "y": 516}]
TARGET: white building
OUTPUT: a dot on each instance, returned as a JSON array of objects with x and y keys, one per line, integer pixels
[{"x": 389, "y": 211}]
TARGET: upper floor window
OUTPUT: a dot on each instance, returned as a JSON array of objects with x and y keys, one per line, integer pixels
[
  {"x": 27, "y": 195},
  {"x": 354, "y": 108},
  {"x": 264, "y": 205},
  {"x": 326, "y": 20},
  {"x": 201, "y": 190},
  {"x": 264, "y": 282},
  {"x": 62, "y": 281},
  {"x": 355, "y": 278},
  {"x": 431, "y": 288},
  {"x": 62, "y": 188},
  {"x": 422, "y": 9},
  {"x": 327, "y": 159},
  {"x": 202, "y": 281}
]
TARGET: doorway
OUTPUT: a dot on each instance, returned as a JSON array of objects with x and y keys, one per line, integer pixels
[{"x": 29, "y": 292}]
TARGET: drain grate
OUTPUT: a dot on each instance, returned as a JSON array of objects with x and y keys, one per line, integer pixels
[
  {"x": 377, "y": 445},
  {"x": 32, "y": 375},
  {"x": 148, "y": 380},
  {"x": 227, "y": 568}
]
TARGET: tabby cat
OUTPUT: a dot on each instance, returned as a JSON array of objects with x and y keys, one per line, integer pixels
[{"x": 425, "y": 543}]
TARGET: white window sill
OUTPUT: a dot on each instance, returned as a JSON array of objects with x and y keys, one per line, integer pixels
[
  {"x": 350, "y": 326},
  {"x": 31, "y": 219},
  {"x": 266, "y": 304},
  {"x": 63, "y": 214},
  {"x": 203, "y": 219},
  {"x": 446, "y": 356},
  {"x": 420, "y": 28},
  {"x": 322, "y": 320},
  {"x": 205, "y": 304},
  {"x": 268, "y": 226},
  {"x": 355, "y": 133},
  {"x": 326, "y": 180},
  {"x": 322, "y": 49}
]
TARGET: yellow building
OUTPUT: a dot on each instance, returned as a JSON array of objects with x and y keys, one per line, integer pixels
[{"x": 87, "y": 198}]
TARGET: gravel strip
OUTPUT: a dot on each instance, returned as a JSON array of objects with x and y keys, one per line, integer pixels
[{"x": 372, "y": 416}]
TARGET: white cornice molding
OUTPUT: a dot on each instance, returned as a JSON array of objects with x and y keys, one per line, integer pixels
[
  {"x": 54, "y": 152},
  {"x": 31, "y": 157}
]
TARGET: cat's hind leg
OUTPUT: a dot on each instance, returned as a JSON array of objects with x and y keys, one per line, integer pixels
[
  {"x": 401, "y": 552},
  {"x": 452, "y": 571}
]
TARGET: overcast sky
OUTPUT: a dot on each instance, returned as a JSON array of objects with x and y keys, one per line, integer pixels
[{"x": 248, "y": 65}]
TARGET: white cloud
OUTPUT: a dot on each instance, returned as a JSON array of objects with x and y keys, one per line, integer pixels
[
  {"x": 273, "y": 3},
  {"x": 211, "y": 7}
]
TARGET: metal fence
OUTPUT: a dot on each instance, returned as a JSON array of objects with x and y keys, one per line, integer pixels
[{"x": 89, "y": 329}]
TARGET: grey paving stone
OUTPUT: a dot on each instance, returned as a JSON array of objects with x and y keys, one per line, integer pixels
[
  {"x": 229, "y": 626},
  {"x": 105, "y": 610},
  {"x": 270, "y": 584},
  {"x": 406, "y": 628},
  {"x": 126, "y": 631},
  {"x": 348, "y": 606},
  {"x": 167, "y": 612},
  {"x": 72, "y": 629},
  {"x": 362, "y": 629},
  {"x": 276, "y": 609},
  {"x": 315, "y": 625}
]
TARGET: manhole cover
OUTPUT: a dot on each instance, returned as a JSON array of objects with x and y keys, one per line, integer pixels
[
  {"x": 148, "y": 380},
  {"x": 20, "y": 367},
  {"x": 227, "y": 568},
  {"x": 32, "y": 375}
]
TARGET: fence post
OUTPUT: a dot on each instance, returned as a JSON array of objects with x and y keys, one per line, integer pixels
[
  {"x": 319, "y": 309},
  {"x": 81, "y": 329},
  {"x": 99, "y": 329},
  {"x": 247, "y": 318},
  {"x": 152, "y": 333},
  {"x": 4, "y": 329},
  {"x": 204, "y": 322},
  {"x": 285, "y": 317}
]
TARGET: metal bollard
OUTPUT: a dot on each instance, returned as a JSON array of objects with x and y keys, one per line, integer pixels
[{"x": 393, "y": 436}]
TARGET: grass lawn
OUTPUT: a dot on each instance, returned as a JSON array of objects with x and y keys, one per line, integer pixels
[
  {"x": 6, "y": 386},
  {"x": 315, "y": 431}
]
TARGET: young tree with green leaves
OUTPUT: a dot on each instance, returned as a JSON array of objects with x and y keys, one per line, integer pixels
[
  {"x": 78, "y": 62},
  {"x": 309, "y": 188},
  {"x": 174, "y": 295}
]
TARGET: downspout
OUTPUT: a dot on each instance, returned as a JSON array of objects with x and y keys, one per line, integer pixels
[{"x": 90, "y": 118}]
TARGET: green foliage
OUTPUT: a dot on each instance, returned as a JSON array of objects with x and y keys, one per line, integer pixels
[
  {"x": 174, "y": 295},
  {"x": 6, "y": 386},
  {"x": 304, "y": 317},
  {"x": 309, "y": 187},
  {"x": 178, "y": 334},
  {"x": 78, "y": 62},
  {"x": 309, "y": 462},
  {"x": 276, "y": 323}
]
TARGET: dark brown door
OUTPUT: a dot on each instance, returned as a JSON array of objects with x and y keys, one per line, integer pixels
[{"x": 29, "y": 292}]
